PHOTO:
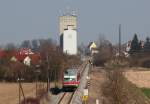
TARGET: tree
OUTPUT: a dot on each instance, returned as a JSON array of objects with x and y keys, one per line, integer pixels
[
  {"x": 26, "y": 44},
  {"x": 10, "y": 46},
  {"x": 2, "y": 72},
  {"x": 35, "y": 44},
  {"x": 105, "y": 52},
  {"x": 17, "y": 68},
  {"x": 102, "y": 40},
  {"x": 135, "y": 45},
  {"x": 147, "y": 45},
  {"x": 82, "y": 48}
]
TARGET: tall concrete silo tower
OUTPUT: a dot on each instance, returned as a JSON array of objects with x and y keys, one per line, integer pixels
[
  {"x": 68, "y": 33},
  {"x": 67, "y": 20}
]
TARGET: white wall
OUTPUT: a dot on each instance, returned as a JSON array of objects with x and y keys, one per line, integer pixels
[{"x": 70, "y": 42}]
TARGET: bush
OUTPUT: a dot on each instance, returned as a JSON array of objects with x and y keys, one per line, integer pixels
[
  {"x": 140, "y": 60},
  {"x": 104, "y": 55},
  {"x": 2, "y": 73},
  {"x": 146, "y": 91}
]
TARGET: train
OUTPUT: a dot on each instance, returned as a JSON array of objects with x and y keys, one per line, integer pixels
[{"x": 71, "y": 78}]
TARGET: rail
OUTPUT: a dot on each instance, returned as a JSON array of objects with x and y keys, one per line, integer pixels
[{"x": 66, "y": 98}]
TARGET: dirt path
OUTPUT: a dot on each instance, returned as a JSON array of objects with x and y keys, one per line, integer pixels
[{"x": 95, "y": 90}]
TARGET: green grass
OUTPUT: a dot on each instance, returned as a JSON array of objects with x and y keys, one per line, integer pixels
[{"x": 146, "y": 91}]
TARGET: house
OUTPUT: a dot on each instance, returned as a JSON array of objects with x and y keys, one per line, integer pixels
[
  {"x": 92, "y": 45},
  {"x": 27, "y": 61},
  {"x": 2, "y": 53},
  {"x": 92, "y": 48},
  {"x": 25, "y": 51},
  {"x": 14, "y": 59},
  {"x": 27, "y": 57},
  {"x": 35, "y": 59}
]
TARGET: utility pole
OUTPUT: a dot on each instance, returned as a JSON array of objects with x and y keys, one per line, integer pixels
[
  {"x": 37, "y": 72},
  {"x": 119, "y": 39},
  {"x": 47, "y": 73},
  {"x": 20, "y": 90}
]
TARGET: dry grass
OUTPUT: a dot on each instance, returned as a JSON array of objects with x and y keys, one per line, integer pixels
[
  {"x": 95, "y": 89},
  {"x": 121, "y": 91},
  {"x": 9, "y": 93},
  {"x": 139, "y": 78}
]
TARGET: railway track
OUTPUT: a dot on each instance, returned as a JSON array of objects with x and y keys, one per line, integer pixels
[{"x": 66, "y": 98}]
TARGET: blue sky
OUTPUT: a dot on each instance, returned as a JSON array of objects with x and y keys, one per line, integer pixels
[{"x": 33, "y": 19}]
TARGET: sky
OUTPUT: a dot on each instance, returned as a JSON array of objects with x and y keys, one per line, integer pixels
[{"x": 33, "y": 19}]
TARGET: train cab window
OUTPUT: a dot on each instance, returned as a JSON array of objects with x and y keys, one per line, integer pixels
[
  {"x": 69, "y": 79},
  {"x": 66, "y": 72}
]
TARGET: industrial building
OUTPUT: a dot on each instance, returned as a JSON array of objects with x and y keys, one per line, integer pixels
[
  {"x": 68, "y": 34},
  {"x": 67, "y": 20}
]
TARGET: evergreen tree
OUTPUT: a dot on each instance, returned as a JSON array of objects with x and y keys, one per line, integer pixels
[
  {"x": 135, "y": 45},
  {"x": 147, "y": 45}
]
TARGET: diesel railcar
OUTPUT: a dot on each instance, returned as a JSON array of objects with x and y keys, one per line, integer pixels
[{"x": 71, "y": 78}]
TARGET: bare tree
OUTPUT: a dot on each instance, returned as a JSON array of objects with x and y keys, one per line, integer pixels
[
  {"x": 10, "y": 46},
  {"x": 26, "y": 44},
  {"x": 105, "y": 53},
  {"x": 35, "y": 45}
]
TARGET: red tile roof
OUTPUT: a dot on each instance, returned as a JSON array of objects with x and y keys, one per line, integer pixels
[
  {"x": 2, "y": 53},
  {"x": 21, "y": 54}
]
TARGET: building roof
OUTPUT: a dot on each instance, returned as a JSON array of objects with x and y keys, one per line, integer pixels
[
  {"x": 25, "y": 51},
  {"x": 2, "y": 53},
  {"x": 92, "y": 45}
]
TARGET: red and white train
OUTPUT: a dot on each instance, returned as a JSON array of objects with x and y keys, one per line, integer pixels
[{"x": 71, "y": 78}]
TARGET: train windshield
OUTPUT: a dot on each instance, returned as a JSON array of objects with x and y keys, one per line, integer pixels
[
  {"x": 70, "y": 75},
  {"x": 69, "y": 79}
]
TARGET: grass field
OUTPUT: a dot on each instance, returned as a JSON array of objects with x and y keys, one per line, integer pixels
[
  {"x": 146, "y": 91},
  {"x": 9, "y": 93}
]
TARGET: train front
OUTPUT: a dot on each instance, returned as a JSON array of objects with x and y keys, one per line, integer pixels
[{"x": 71, "y": 79}]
